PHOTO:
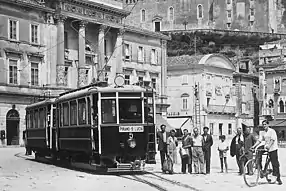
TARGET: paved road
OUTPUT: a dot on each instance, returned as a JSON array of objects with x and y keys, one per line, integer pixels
[{"x": 17, "y": 174}]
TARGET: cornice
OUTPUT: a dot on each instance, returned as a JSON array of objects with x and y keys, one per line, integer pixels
[
  {"x": 101, "y": 7},
  {"x": 146, "y": 32},
  {"x": 30, "y": 4}
]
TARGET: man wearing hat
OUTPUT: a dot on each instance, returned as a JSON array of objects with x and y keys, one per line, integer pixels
[{"x": 208, "y": 143}]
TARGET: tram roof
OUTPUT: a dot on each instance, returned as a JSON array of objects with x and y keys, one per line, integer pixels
[
  {"x": 109, "y": 89},
  {"x": 41, "y": 103}
]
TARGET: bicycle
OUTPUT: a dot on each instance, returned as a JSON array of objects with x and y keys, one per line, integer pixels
[{"x": 256, "y": 172}]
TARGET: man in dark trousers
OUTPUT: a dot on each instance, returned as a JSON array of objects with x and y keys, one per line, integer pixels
[
  {"x": 162, "y": 143},
  {"x": 208, "y": 143},
  {"x": 249, "y": 141},
  {"x": 237, "y": 149}
]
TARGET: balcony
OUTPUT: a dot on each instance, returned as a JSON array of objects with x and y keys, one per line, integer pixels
[
  {"x": 268, "y": 111},
  {"x": 220, "y": 109}
]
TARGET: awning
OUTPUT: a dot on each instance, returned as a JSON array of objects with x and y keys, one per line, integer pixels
[
  {"x": 277, "y": 123},
  {"x": 183, "y": 123},
  {"x": 160, "y": 121}
]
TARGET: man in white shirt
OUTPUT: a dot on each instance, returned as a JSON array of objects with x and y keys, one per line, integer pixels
[
  {"x": 271, "y": 144},
  {"x": 197, "y": 152}
]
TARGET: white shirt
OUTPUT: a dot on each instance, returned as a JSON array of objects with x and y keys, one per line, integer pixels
[
  {"x": 241, "y": 138},
  {"x": 198, "y": 141},
  {"x": 222, "y": 146},
  {"x": 165, "y": 137},
  {"x": 270, "y": 134}
]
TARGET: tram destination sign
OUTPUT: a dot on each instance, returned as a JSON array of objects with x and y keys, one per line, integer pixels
[{"x": 123, "y": 129}]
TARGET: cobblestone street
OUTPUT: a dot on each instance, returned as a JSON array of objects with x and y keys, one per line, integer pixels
[{"x": 17, "y": 173}]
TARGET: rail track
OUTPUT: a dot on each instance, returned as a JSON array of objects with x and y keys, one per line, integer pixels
[{"x": 151, "y": 179}]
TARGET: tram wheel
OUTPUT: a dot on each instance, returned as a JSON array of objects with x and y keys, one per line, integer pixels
[{"x": 251, "y": 178}]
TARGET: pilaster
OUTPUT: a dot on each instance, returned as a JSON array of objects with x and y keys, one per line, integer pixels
[
  {"x": 61, "y": 75},
  {"x": 82, "y": 71},
  {"x": 118, "y": 47},
  {"x": 101, "y": 55}
]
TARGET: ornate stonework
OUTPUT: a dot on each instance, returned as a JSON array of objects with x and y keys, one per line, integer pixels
[
  {"x": 60, "y": 18},
  {"x": 61, "y": 76},
  {"x": 83, "y": 24},
  {"x": 82, "y": 77},
  {"x": 121, "y": 32},
  {"x": 93, "y": 13},
  {"x": 164, "y": 44},
  {"x": 102, "y": 28}
]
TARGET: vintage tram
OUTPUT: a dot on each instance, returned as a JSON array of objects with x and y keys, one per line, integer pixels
[{"x": 99, "y": 125}]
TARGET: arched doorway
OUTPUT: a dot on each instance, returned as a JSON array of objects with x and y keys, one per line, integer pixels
[{"x": 12, "y": 127}]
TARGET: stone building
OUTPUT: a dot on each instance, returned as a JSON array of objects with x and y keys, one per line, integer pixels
[
  {"x": 47, "y": 47},
  {"x": 244, "y": 15},
  {"x": 272, "y": 86},
  {"x": 225, "y": 91}
]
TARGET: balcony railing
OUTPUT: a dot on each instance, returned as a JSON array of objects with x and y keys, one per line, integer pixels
[
  {"x": 221, "y": 109},
  {"x": 268, "y": 111}
]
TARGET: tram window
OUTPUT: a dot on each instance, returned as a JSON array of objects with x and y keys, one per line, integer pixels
[
  {"x": 81, "y": 112},
  {"x": 108, "y": 108},
  {"x": 54, "y": 117},
  {"x": 28, "y": 120},
  {"x": 42, "y": 118},
  {"x": 65, "y": 114},
  {"x": 36, "y": 118},
  {"x": 32, "y": 119},
  {"x": 88, "y": 111},
  {"x": 61, "y": 115},
  {"x": 73, "y": 113},
  {"x": 130, "y": 111}
]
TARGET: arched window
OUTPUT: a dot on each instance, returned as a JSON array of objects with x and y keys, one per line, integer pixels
[
  {"x": 171, "y": 13},
  {"x": 281, "y": 106},
  {"x": 200, "y": 11},
  {"x": 185, "y": 98},
  {"x": 143, "y": 15},
  {"x": 270, "y": 103}
]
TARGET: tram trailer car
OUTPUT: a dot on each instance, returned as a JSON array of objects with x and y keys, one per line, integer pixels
[{"x": 113, "y": 127}]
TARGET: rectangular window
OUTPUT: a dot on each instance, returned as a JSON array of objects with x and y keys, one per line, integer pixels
[
  {"x": 34, "y": 34},
  {"x": 211, "y": 128},
  {"x": 73, "y": 113},
  {"x": 81, "y": 111},
  {"x": 127, "y": 52},
  {"x": 251, "y": 11},
  {"x": 185, "y": 104},
  {"x": 42, "y": 118},
  {"x": 34, "y": 74},
  {"x": 130, "y": 111},
  {"x": 36, "y": 119},
  {"x": 229, "y": 13},
  {"x": 153, "y": 56},
  {"x": 184, "y": 79},
  {"x": 220, "y": 128},
  {"x": 140, "y": 54},
  {"x": 154, "y": 83},
  {"x": 229, "y": 128},
  {"x": 66, "y": 114},
  {"x": 127, "y": 80},
  {"x": 140, "y": 80},
  {"x": 13, "y": 72},
  {"x": 108, "y": 108},
  {"x": 13, "y": 30}
]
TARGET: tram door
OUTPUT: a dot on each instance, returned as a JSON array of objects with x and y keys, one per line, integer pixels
[{"x": 94, "y": 107}]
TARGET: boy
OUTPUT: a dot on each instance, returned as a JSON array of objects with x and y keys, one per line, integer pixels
[{"x": 223, "y": 148}]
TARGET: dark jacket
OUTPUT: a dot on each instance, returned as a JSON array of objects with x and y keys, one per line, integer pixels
[
  {"x": 161, "y": 145},
  {"x": 186, "y": 141},
  {"x": 207, "y": 143},
  {"x": 233, "y": 149}
]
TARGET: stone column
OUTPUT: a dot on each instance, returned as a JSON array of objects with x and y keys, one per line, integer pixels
[
  {"x": 101, "y": 56},
  {"x": 82, "y": 79},
  {"x": 61, "y": 80},
  {"x": 163, "y": 67},
  {"x": 118, "y": 48}
]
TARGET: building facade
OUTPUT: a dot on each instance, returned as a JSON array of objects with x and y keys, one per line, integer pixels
[
  {"x": 224, "y": 89},
  {"x": 272, "y": 83},
  {"x": 48, "y": 47},
  {"x": 244, "y": 15}
]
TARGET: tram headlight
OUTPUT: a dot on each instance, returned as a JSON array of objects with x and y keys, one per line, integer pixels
[{"x": 131, "y": 143}]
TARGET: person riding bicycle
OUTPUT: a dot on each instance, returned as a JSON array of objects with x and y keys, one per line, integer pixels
[{"x": 271, "y": 145}]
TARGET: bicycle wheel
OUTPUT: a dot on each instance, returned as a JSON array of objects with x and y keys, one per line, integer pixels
[{"x": 251, "y": 178}]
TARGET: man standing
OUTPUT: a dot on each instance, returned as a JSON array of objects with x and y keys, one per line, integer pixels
[
  {"x": 162, "y": 143},
  {"x": 237, "y": 149},
  {"x": 186, "y": 145},
  {"x": 198, "y": 154},
  {"x": 249, "y": 141},
  {"x": 208, "y": 143},
  {"x": 271, "y": 144}
]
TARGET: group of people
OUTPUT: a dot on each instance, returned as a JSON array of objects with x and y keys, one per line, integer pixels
[{"x": 196, "y": 149}]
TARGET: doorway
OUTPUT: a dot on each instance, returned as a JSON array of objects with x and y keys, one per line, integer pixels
[
  {"x": 157, "y": 26},
  {"x": 12, "y": 127}
]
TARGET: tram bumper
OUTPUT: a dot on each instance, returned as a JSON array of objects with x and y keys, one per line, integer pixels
[{"x": 136, "y": 166}]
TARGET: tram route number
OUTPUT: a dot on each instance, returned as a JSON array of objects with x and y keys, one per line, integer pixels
[{"x": 123, "y": 129}]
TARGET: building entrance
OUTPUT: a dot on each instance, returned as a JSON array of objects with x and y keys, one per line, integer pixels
[{"x": 12, "y": 127}]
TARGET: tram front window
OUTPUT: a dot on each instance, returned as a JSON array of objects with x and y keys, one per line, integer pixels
[{"x": 130, "y": 111}]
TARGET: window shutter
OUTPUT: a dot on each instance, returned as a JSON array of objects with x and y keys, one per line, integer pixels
[
  {"x": 144, "y": 55},
  {"x": 130, "y": 52}
]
